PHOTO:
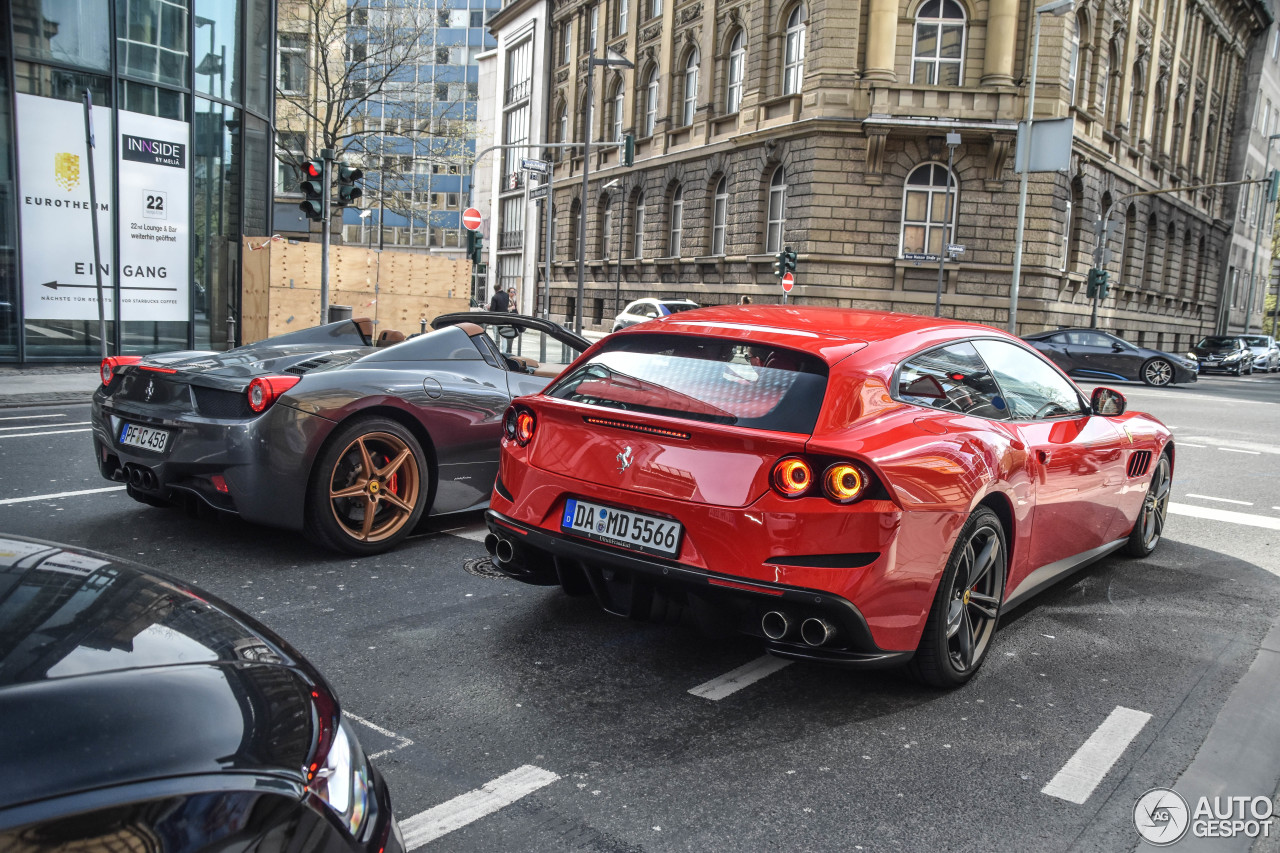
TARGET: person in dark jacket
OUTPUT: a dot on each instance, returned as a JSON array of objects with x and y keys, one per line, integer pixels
[{"x": 499, "y": 302}]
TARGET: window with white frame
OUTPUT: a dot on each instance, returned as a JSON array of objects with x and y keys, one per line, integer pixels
[
  {"x": 292, "y": 74},
  {"x": 655, "y": 8},
  {"x": 793, "y": 51},
  {"x": 637, "y": 248},
  {"x": 623, "y": 11},
  {"x": 566, "y": 42},
  {"x": 594, "y": 26},
  {"x": 1066, "y": 239},
  {"x": 619, "y": 96},
  {"x": 777, "y": 211},
  {"x": 519, "y": 72},
  {"x": 606, "y": 226},
  {"x": 677, "y": 222},
  {"x": 690, "y": 104},
  {"x": 924, "y": 209},
  {"x": 1073, "y": 61},
  {"x": 511, "y": 235},
  {"x": 737, "y": 65},
  {"x": 937, "y": 56},
  {"x": 720, "y": 217},
  {"x": 651, "y": 102}
]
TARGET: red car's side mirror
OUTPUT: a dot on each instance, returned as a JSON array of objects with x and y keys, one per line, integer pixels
[{"x": 1107, "y": 401}]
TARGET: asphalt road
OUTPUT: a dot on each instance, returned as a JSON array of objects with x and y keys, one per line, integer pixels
[{"x": 463, "y": 678}]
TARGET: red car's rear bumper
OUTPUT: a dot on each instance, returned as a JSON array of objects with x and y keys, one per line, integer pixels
[{"x": 870, "y": 569}]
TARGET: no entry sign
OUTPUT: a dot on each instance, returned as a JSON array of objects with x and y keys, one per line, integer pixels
[
  {"x": 788, "y": 282},
  {"x": 472, "y": 219}
]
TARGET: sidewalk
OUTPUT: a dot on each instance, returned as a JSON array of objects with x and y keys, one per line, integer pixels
[{"x": 47, "y": 384}]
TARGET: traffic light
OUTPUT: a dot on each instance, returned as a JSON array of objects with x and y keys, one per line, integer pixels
[
  {"x": 789, "y": 257},
  {"x": 628, "y": 150},
  {"x": 312, "y": 187},
  {"x": 475, "y": 247},
  {"x": 779, "y": 264},
  {"x": 1097, "y": 287},
  {"x": 347, "y": 191},
  {"x": 1273, "y": 186}
]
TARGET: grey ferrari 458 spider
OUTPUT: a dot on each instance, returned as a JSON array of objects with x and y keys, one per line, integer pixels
[{"x": 320, "y": 430}]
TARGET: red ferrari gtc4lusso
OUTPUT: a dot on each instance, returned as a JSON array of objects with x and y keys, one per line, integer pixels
[{"x": 854, "y": 487}]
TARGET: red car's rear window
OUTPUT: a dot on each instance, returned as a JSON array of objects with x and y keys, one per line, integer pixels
[{"x": 701, "y": 379}]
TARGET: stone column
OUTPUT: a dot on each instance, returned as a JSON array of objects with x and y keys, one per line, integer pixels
[
  {"x": 882, "y": 38},
  {"x": 1002, "y": 37}
]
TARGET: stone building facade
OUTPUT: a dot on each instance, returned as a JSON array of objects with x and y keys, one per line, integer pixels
[{"x": 821, "y": 125}]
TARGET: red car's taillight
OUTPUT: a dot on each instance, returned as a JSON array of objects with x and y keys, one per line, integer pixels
[
  {"x": 525, "y": 425},
  {"x": 843, "y": 483},
  {"x": 265, "y": 390},
  {"x": 107, "y": 370},
  {"x": 792, "y": 476}
]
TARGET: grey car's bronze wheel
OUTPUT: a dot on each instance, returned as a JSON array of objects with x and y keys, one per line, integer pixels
[
  {"x": 369, "y": 487},
  {"x": 962, "y": 620}
]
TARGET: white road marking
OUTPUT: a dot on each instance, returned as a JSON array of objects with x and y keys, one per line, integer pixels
[
  {"x": 744, "y": 676},
  {"x": 401, "y": 740},
  {"x": 30, "y": 417},
  {"x": 57, "y": 495},
  {"x": 51, "y": 432},
  {"x": 1233, "y": 444},
  {"x": 1185, "y": 444},
  {"x": 1228, "y": 515},
  {"x": 1089, "y": 766},
  {"x": 1237, "y": 450},
  {"x": 1223, "y": 500},
  {"x": 425, "y": 827},
  {"x": 474, "y": 532},
  {"x": 39, "y": 426}
]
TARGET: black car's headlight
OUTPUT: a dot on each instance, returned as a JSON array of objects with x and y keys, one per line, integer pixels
[
  {"x": 342, "y": 779},
  {"x": 1235, "y": 356}
]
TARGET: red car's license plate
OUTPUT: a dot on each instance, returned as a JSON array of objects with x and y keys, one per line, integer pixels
[{"x": 660, "y": 536}]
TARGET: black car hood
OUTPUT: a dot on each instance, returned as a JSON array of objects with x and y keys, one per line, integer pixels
[
  {"x": 1213, "y": 350},
  {"x": 110, "y": 673}
]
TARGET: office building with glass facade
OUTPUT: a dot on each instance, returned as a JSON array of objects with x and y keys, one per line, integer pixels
[{"x": 182, "y": 99}]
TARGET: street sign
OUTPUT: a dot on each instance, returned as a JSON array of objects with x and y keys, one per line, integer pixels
[
  {"x": 918, "y": 256},
  {"x": 539, "y": 166},
  {"x": 955, "y": 248},
  {"x": 472, "y": 219},
  {"x": 538, "y": 192},
  {"x": 788, "y": 282}
]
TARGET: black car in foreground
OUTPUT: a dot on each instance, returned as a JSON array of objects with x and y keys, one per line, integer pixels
[
  {"x": 140, "y": 714},
  {"x": 1227, "y": 353},
  {"x": 1090, "y": 354}
]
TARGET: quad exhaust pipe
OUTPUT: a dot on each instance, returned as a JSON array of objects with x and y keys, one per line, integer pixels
[{"x": 814, "y": 631}]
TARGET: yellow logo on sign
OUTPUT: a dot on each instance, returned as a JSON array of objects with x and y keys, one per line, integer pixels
[{"x": 66, "y": 170}]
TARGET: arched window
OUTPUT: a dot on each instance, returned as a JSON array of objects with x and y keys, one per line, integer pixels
[
  {"x": 677, "y": 222},
  {"x": 1110, "y": 106},
  {"x": 1136, "y": 106},
  {"x": 736, "y": 71},
  {"x": 937, "y": 57},
  {"x": 606, "y": 225},
  {"x": 793, "y": 51},
  {"x": 690, "y": 103},
  {"x": 1076, "y": 217},
  {"x": 562, "y": 130},
  {"x": 1073, "y": 60},
  {"x": 1198, "y": 292},
  {"x": 925, "y": 207},
  {"x": 1170, "y": 270},
  {"x": 719, "y": 217},
  {"x": 619, "y": 96},
  {"x": 1129, "y": 245},
  {"x": 1102, "y": 89},
  {"x": 777, "y": 216},
  {"x": 637, "y": 248},
  {"x": 1147, "y": 278},
  {"x": 575, "y": 213},
  {"x": 650, "y": 102}
]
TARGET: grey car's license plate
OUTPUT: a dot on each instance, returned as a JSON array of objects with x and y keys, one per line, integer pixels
[
  {"x": 147, "y": 438},
  {"x": 634, "y": 530}
]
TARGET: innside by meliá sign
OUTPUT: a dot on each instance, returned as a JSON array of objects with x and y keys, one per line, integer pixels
[{"x": 156, "y": 151}]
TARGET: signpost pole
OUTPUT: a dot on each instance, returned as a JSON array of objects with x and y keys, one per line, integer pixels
[
  {"x": 327, "y": 155},
  {"x": 93, "y": 220},
  {"x": 948, "y": 233}
]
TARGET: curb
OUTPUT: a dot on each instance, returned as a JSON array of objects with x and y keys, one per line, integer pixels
[{"x": 14, "y": 401}]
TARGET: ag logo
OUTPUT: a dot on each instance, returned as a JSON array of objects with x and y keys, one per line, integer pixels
[
  {"x": 66, "y": 170},
  {"x": 1161, "y": 816}
]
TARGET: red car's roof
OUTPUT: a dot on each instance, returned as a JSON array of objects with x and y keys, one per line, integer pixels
[{"x": 831, "y": 333}]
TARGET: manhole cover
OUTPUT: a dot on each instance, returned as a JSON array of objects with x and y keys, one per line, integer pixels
[{"x": 483, "y": 568}]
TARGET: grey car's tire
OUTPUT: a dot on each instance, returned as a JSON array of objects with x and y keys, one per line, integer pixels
[
  {"x": 368, "y": 488},
  {"x": 1157, "y": 372},
  {"x": 144, "y": 498},
  {"x": 1149, "y": 527},
  {"x": 966, "y": 609}
]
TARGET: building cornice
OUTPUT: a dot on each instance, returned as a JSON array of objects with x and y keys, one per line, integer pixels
[{"x": 512, "y": 11}]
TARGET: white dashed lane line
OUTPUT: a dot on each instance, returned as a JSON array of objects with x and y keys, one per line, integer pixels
[
  {"x": 42, "y": 426},
  {"x": 744, "y": 676},
  {"x": 57, "y": 495},
  {"x": 30, "y": 418},
  {"x": 50, "y": 432},
  {"x": 1089, "y": 766},
  {"x": 1221, "y": 500},
  {"x": 425, "y": 827}
]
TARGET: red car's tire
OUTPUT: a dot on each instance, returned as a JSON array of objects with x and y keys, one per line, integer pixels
[
  {"x": 1149, "y": 527},
  {"x": 965, "y": 611}
]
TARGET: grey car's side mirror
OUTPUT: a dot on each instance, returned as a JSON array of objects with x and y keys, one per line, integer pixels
[{"x": 1107, "y": 401}]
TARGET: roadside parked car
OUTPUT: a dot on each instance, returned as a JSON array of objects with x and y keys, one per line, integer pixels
[
  {"x": 1091, "y": 354},
  {"x": 143, "y": 714},
  {"x": 320, "y": 430},
  {"x": 1266, "y": 355},
  {"x": 853, "y": 487},
  {"x": 1226, "y": 353},
  {"x": 644, "y": 310}
]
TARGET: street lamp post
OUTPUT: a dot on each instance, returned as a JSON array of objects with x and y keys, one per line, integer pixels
[
  {"x": 1057, "y": 8},
  {"x": 948, "y": 232},
  {"x": 617, "y": 60},
  {"x": 617, "y": 289}
]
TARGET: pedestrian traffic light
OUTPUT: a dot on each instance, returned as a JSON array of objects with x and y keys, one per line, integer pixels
[
  {"x": 628, "y": 150},
  {"x": 475, "y": 247},
  {"x": 347, "y": 177},
  {"x": 312, "y": 187},
  {"x": 1097, "y": 287},
  {"x": 779, "y": 264},
  {"x": 789, "y": 258}
]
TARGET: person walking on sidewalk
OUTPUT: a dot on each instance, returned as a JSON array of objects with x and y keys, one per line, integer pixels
[{"x": 500, "y": 301}]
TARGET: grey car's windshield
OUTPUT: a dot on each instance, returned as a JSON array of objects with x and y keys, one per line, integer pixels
[{"x": 1255, "y": 341}]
